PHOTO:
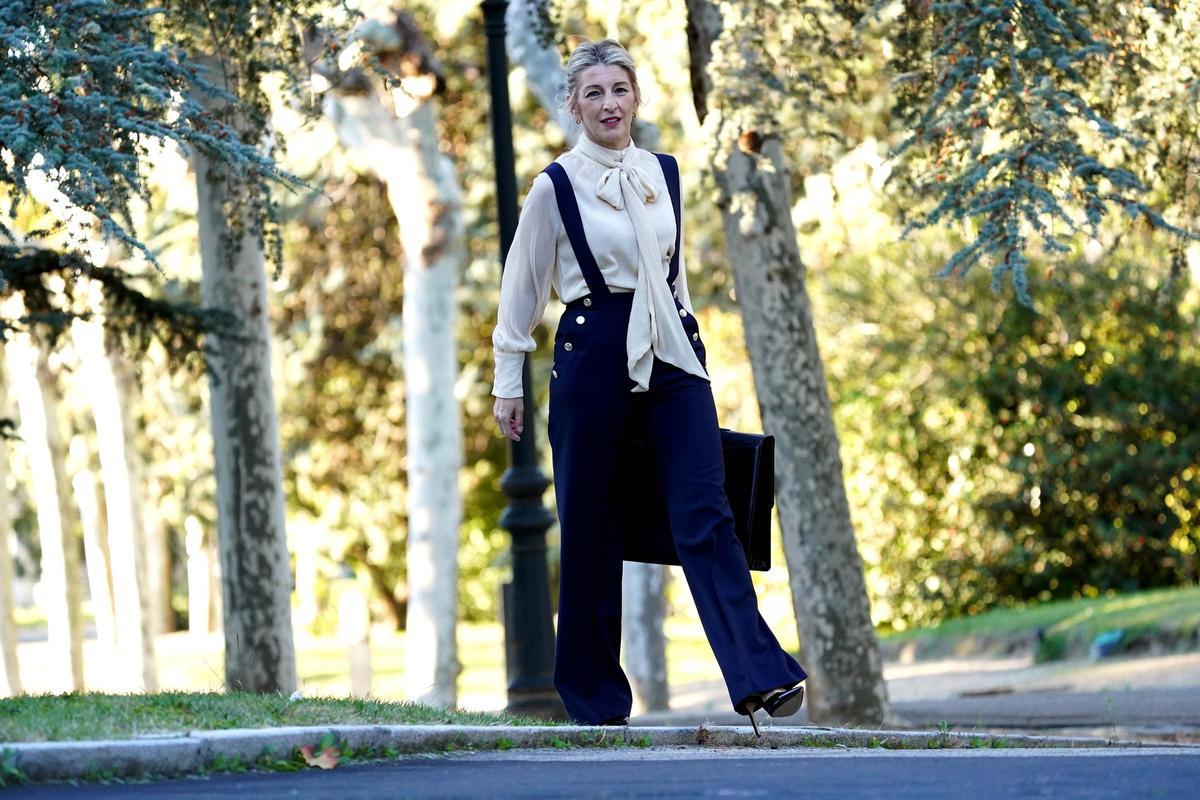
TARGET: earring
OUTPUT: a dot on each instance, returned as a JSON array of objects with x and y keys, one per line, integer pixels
[{"x": 579, "y": 120}]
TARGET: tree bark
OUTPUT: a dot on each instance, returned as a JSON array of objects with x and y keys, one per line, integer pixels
[
  {"x": 400, "y": 145},
  {"x": 833, "y": 618},
  {"x": 643, "y": 644},
  {"x": 256, "y": 579},
  {"x": 8, "y": 627},
  {"x": 126, "y": 539},
  {"x": 540, "y": 61},
  {"x": 643, "y": 606},
  {"x": 37, "y": 401},
  {"x": 154, "y": 570},
  {"x": 96, "y": 563},
  {"x": 199, "y": 578}
]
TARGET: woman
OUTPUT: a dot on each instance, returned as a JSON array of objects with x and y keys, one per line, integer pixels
[{"x": 602, "y": 225}]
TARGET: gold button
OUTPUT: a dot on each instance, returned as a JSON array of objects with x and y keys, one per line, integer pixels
[
  {"x": 695, "y": 337},
  {"x": 587, "y": 301},
  {"x": 683, "y": 312},
  {"x": 580, "y": 319},
  {"x": 567, "y": 346}
]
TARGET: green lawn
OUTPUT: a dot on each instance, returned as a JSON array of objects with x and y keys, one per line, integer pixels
[
  {"x": 194, "y": 665},
  {"x": 1069, "y": 625},
  {"x": 41, "y": 718}
]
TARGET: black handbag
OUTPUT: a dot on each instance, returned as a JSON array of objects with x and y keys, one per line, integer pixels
[{"x": 749, "y": 485}]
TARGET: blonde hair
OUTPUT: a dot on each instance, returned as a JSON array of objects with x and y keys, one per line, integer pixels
[{"x": 593, "y": 54}]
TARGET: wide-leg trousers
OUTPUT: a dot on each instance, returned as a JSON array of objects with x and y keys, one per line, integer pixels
[{"x": 591, "y": 410}]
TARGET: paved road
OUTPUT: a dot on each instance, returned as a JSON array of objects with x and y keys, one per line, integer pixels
[
  {"x": 1135, "y": 708},
  {"x": 1046, "y": 711},
  {"x": 1131, "y": 695},
  {"x": 666, "y": 773}
]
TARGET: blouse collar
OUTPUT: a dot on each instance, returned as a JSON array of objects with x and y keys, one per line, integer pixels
[{"x": 600, "y": 153}]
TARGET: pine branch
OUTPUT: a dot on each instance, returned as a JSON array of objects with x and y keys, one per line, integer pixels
[
  {"x": 135, "y": 318},
  {"x": 1008, "y": 125}
]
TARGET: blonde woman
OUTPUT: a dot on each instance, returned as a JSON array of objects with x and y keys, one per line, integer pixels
[{"x": 603, "y": 226}]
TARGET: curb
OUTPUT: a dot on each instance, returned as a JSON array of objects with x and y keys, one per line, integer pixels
[{"x": 201, "y": 751}]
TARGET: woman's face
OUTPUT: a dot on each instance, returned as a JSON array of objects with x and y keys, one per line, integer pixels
[{"x": 605, "y": 104}]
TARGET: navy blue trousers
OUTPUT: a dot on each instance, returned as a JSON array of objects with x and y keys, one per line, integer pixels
[{"x": 591, "y": 408}]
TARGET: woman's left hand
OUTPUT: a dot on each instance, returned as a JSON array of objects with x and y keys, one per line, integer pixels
[{"x": 510, "y": 416}]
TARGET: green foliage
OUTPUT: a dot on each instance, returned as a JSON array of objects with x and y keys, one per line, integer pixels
[
  {"x": 79, "y": 716},
  {"x": 84, "y": 88},
  {"x": 1068, "y": 626},
  {"x": 997, "y": 455},
  {"x": 792, "y": 71},
  {"x": 10, "y": 773},
  {"x": 1094, "y": 421},
  {"x": 1016, "y": 119},
  {"x": 269, "y": 760},
  {"x": 223, "y": 762},
  {"x": 88, "y": 90},
  {"x": 342, "y": 420},
  {"x": 1023, "y": 117}
]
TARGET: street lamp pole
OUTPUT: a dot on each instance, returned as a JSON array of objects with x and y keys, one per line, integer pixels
[{"x": 528, "y": 629}]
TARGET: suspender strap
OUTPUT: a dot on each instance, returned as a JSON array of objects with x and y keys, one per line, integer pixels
[
  {"x": 670, "y": 170},
  {"x": 568, "y": 209}
]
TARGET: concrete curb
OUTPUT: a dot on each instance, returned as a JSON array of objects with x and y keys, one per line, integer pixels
[{"x": 200, "y": 751}]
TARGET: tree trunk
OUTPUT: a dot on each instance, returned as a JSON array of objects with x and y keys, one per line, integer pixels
[
  {"x": 400, "y": 145},
  {"x": 256, "y": 577},
  {"x": 434, "y": 432},
  {"x": 833, "y": 618},
  {"x": 160, "y": 614},
  {"x": 126, "y": 539},
  {"x": 8, "y": 627},
  {"x": 643, "y": 645},
  {"x": 199, "y": 578},
  {"x": 155, "y": 568},
  {"x": 642, "y": 603},
  {"x": 307, "y": 545},
  {"x": 37, "y": 401},
  {"x": 96, "y": 562},
  {"x": 540, "y": 62}
]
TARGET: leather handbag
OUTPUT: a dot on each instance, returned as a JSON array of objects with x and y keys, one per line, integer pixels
[{"x": 749, "y": 486}]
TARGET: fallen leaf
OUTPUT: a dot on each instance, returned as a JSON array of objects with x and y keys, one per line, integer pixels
[{"x": 327, "y": 760}]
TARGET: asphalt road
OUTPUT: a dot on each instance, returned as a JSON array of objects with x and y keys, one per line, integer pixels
[
  {"x": 692, "y": 773},
  {"x": 1139, "y": 708},
  {"x": 1042, "y": 711}
]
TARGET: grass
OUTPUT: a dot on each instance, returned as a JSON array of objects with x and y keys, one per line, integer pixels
[
  {"x": 196, "y": 663},
  {"x": 84, "y": 716},
  {"x": 1068, "y": 626}
]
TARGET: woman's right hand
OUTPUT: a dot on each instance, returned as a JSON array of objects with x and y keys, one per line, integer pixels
[{"x": 510, "y": 413}]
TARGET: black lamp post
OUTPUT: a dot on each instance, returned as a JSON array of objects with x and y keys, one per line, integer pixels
[{"x": 528, "y": 629}]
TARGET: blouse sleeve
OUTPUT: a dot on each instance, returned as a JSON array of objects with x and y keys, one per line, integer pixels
[{"x": 525, "y": 286}]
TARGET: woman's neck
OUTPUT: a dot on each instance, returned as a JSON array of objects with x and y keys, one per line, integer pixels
[{"x": 617, "y": 153}]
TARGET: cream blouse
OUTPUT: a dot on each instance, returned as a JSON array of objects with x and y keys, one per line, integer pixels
[{"x": 541, "y": 256}]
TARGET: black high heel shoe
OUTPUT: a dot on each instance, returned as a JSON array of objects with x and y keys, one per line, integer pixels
[
  {"x": 786, "y": 702},
  {"x": 616, "y": 721},
  {"x": 777, "y": 703}
]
